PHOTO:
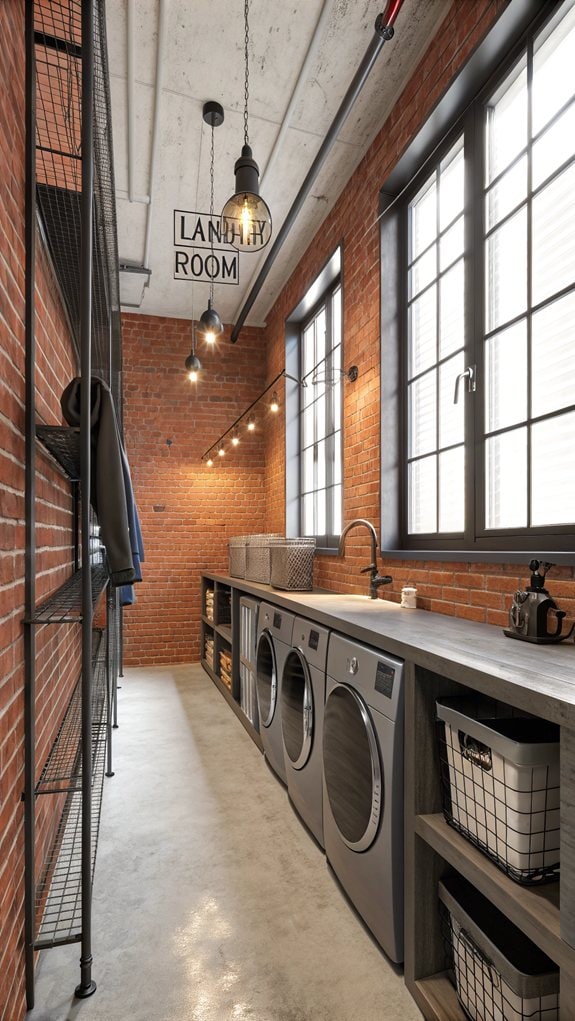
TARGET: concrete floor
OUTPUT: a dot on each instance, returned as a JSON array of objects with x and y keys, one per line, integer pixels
[{"x": 211, "y": 901}]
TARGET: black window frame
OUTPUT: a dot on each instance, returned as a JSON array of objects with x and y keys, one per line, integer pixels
[{"x": 461, "y": 111}]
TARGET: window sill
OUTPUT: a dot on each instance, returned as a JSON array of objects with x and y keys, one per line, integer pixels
[{"x": 480, "y": 556}]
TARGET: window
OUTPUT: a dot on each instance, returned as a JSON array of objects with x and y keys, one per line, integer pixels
[
  {"x": 313, "y": 354},
  {"x": 488, "y": 236}
]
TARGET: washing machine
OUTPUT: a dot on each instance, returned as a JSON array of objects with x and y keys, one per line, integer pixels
[
  {"x": 274, "y": 637},
  {"x": 363, "y": 784},
  {"x": 302, "y": 700}
]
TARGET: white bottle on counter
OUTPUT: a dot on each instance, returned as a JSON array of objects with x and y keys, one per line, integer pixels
[{"x": 409, "y": 597}]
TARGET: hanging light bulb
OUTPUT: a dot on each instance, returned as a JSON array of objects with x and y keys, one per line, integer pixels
[
  {"x": 246, "y": 219},
  {"x": 210, "y": 461},
  {"x": 251, "y": 423},
  {"x": 211, "y": 326},
  {"x": 193, "y": 365},
  {"x": 275, "y": 404},
  {"x": 235, "y": 438},
  {"x": 221, "y": 450}
]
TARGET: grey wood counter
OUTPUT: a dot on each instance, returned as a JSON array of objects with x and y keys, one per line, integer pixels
[{"x": 537, "y": 678}]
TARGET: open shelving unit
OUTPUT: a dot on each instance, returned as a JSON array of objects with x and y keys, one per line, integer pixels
[
  {"x": 70, "y": 204},
  {"x": 220, "y": 624}
]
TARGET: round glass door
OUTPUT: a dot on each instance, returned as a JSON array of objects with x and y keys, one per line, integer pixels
[
  {"x": 266, "y": 678},
  {"x": 351, "y": 766},
  {"x": 297, "y": 709}
]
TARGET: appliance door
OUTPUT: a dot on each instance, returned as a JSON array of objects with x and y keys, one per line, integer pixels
[
  {"x": 352, "y": 767},
  {"x": 297, "y": 709},
  {"x": 266, "y": 678}
]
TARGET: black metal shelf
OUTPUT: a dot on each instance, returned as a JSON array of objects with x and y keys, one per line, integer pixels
[
  {"x": 62, "y": 771},
  {"x": 64, "y": 606},
  {"x": 63, "y": 444}
]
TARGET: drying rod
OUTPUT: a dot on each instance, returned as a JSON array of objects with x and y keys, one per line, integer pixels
[{"x": 383, "y": 31}]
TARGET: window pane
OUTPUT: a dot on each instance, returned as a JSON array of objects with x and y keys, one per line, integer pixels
[
  {"x": 554, "y": 147},
  {"x": 506, "y": 377},
  {"x": 552, "y": 353},
  {"x": 451, "y": 416},
  {"x": 554, "y": 236},
  {"x": 423, "y": 271},
  {"x": 422, "y": 414},
  {"x": 321, "y": 519},
  {"x": 320, "y": 337},
  {"x": 336, "y": 510},
  {"x": 506, "y": 272},
  {"x": 553, "y": 63},
  {"x": 422, "y": 480},
  {"x": 506, "y": 480},
  {"x": 308, "y": 360},
  {"x": 307, "y": 426},
  {"x": 510, "y": 190},
  {"x": 320, "y": 418},
  {"x": 307, "y": 522},
  {"x": 308, "y": 474},
  {"x": 423, "y": 219},
  {"x": 320, "y": 460},
  {"x": 452, "y": 490},
  {"x": 451, "y": 245},
  {"x": 451, "y": 311},
  {"x": 422, "y": 334},
  {"x": 553, "y": 477},
  {"x": 336, "y": 317},
  {"x": 507, "y": 122},
  {"x": 451, "y": 182}
]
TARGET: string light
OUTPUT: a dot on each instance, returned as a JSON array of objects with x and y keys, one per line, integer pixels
[
  {"x": 221, "y": 450},
  {"x": 251, "y": 423},
  {"x": 275, "y": 404},
  {"x": 210, "y": 461},
  {"x": 235, "y": 438}
]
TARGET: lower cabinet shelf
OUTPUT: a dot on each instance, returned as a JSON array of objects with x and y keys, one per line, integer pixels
[{"x": 437, "y": 996}]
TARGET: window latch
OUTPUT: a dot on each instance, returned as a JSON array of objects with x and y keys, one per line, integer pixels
[{"x": 470, "y": 374}]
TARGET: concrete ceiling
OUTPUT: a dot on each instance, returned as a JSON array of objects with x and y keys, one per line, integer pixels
[{"x": 302, "y": 50}]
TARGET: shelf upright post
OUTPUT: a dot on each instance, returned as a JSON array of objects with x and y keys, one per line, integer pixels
[
  {"x": 110, "y": 673},
  {"x": 30, "y": 513},
  {"x": 87, "y": 986}
]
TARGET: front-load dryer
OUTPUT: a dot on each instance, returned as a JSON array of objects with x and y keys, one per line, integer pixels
[
  {"x": 363, "y": 784},
  {"x": 274, "y": 635},
  {"x": 302, "y": 699}
]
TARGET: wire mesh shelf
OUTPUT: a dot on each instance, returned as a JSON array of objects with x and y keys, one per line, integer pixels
[
  {"x": 59, "y": 892},
  {"x": 65, "y": 605},
  {"x": 63, "y": 443},
  {"x": 62, "y": 771}
]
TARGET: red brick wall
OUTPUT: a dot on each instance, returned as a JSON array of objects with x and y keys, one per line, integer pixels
[
  {"x": 475, "y": 591},
  {"x": 57, "y": 647},
  {"x": 188, "y": 511}
]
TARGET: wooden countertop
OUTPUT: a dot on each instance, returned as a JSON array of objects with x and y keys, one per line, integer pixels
[{"x": 537, "y": 678}]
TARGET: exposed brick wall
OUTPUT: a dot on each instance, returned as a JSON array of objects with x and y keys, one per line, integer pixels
[
  {"x": 474, "y": 591},
  {"x": 58, "y": 646},
  {"x": 188, "y": 511}
]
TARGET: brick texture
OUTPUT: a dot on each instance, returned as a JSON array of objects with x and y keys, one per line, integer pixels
[
  {"x": 58, "y": 648},
  {"x": 188, "y": 511}
]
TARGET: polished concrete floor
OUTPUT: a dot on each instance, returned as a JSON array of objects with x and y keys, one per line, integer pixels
[{"x": 211, "y": 901}]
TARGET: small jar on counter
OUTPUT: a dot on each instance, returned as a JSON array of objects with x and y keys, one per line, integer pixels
[{"x": 409, "y": 597}]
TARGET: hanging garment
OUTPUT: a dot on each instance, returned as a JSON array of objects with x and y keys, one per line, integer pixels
[{"x": 111, "y": 498}]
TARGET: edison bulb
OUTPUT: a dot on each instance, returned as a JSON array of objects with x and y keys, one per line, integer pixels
[{"x": 193, "y": 376}]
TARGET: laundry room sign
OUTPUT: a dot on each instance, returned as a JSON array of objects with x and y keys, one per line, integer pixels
[{"x": 196, "y": 256}]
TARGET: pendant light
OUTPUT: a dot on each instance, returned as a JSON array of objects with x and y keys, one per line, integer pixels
[
  {"x": 246, "y": 219},
  {"x": 211, "y": 326},
  {"x": 193, "y": 363}
]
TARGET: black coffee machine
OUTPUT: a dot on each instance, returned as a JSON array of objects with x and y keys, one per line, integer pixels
[{"x": 533, "y": 611}]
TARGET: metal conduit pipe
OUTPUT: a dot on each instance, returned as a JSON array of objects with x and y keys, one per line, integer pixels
[{"x": 383, "y": 31}]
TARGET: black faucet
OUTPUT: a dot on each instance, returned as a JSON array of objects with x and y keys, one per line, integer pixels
[{"x": 376, "y": 579}]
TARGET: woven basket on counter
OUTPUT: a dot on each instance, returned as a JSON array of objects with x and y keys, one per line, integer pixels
[
  {"x": 292, "y": 564},
  {"x": 258, "y": 559},
  {"x": 237, "y": 551}
]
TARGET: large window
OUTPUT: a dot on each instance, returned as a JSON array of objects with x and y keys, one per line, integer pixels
[
  {"x": 489, "y": 284},
  {"x": 314, "y": 410}
]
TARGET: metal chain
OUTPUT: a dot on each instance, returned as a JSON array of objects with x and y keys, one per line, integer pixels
[
  {"x": 247, "y": 63},
  {"x": 212, "y": 212}
]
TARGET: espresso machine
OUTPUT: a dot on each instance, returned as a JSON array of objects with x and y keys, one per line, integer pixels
[{"x": 534, "y": 616}]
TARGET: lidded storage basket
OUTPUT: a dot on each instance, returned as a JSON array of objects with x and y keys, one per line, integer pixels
[
  {"x": 500, "y": 783},
  {"x": 258, "y": 558},
  {"x": 499, "y": 974},
  {"x": 292, "y": 564}
]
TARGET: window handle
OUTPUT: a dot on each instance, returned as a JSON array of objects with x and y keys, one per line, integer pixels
[{"x": 470, "y": 374}]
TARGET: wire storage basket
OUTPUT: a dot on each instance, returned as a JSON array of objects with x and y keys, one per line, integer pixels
[
  {"x": 292, "y": 564},
  {"x": 500, "y": 784},
  {"x": 237, "y": 555},
  {"x": 499, "y": 974},
  {"x": 258, "y": 558}
]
